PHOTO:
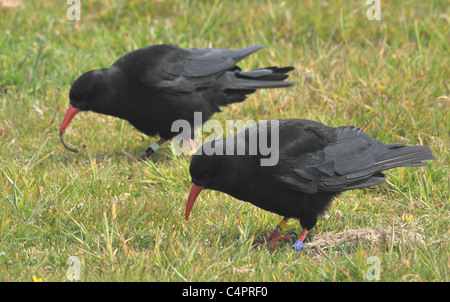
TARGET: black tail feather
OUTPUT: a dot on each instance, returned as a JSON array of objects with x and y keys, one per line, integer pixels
[
  {"x": 405, "y": 156},
  {"x": 270, "y": 77},
  {"x": 237, "y": 84}
]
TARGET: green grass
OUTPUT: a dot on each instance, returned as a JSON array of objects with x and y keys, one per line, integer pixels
[{"x": 124, "y": 219}]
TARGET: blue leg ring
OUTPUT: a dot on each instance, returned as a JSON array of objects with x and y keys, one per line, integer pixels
[{"x": 298, "y": 245}]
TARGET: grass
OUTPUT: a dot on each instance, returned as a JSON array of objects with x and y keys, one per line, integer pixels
[{"x": 124, "y": 219}]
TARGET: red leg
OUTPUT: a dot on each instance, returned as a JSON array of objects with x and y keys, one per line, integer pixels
[
  {"x": 275, "y": 236},
  {"x": 192, "y": 143},
  {"x": 299, "y": 243}
]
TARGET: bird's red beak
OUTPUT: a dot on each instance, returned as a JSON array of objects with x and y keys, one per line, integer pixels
[
  {"x": 193, "y": 193},
  {"x": 71, "y": 112}
]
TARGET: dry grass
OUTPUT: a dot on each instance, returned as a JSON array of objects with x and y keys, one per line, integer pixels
[{"x": 369, "y": 238}]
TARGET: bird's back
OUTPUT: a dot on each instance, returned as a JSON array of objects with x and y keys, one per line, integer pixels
[
  {"x": 326, "y": 159},
  {"x": 168, "y": 83}
]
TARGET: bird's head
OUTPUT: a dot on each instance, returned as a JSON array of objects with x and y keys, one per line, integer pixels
[
  {"x": 215, "y": 172},
  {"x": 89, "y": 92}
]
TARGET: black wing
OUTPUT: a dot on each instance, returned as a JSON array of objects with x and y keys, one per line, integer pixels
[
  {"x": 178, "y": 70},
  {"x": 191, "y": 69},
  {"x": 352, "y": 161}
]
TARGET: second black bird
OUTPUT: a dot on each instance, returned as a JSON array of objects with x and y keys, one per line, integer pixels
[
  {"x": 154, "y": 86},
  {"x": 315, "y": 163}
]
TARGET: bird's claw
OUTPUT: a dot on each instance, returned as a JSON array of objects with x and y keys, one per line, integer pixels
[
  {"x": 273, "y": 239},
  {"x": 292, "y": 233},
  {"x": 146, "y": 154}
]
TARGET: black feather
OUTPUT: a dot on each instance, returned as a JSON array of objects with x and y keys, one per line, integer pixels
[
  {"x": 154, "y": 86},
  {"x": 316, "y": 162}
]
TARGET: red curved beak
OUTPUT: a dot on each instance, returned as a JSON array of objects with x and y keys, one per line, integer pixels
[
  {"x": 71, "y": 112},
  {"x": 193, "y": 193}
]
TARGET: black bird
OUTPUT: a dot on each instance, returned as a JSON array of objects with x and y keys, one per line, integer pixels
[
  {"x": 315, "y": 163},
  {"x": 153, "y": 86}
]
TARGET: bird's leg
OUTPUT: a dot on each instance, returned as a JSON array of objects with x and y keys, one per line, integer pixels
[
  {"x": 298, "y": 245},
  {"x": 152, "y": 149},
  {"x": 192, "y": 143},
  {"x": 275, "y": 236}
]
